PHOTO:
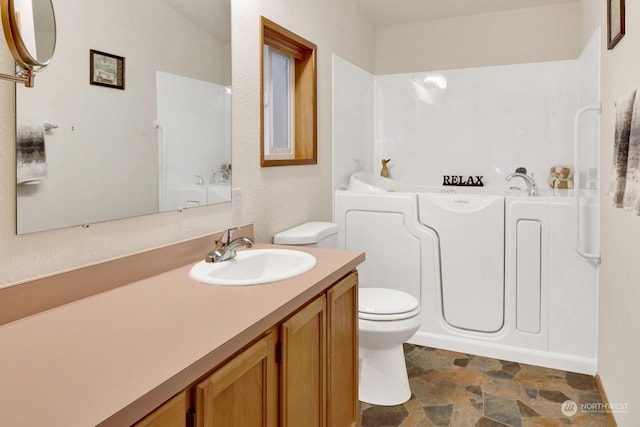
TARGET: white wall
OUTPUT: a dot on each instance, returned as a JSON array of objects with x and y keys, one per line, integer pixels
[
  {"x": 273, "y": 198},
  {"x": 537, "y": 34},
  {"x": 589, "y": 96},
  {"x": 480, "y": 121},
  {"x": 619, "y": 317},
  {"x": 353, "y": 115},
  {"x": 505, "y": 115}
]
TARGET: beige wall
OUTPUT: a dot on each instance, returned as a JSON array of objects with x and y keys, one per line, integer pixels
[
  {"x": 512, "y": 37},
  {"x": 272, "y": 198},
  {"x": 277, "y": 197},
  {"x": 619, "y": 317}
]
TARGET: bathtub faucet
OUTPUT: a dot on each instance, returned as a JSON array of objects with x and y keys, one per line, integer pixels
[
  {"x": 532, "y": 188},
  {"x": 225, "y": 176}
]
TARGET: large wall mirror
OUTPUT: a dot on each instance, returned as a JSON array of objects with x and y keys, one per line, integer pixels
[{"x": 145, "y": 129}]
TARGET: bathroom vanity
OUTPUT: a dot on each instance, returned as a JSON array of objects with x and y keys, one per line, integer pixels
[
  {"x": 169, "y": 351},
  {"x": 302, "y": 371}
]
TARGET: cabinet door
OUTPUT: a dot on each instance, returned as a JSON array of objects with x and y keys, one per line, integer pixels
[
  {"x": 303, "y": 368},
  {"x": 342, "y": 353},
  {"x": 243, "y": 392},
  {"x": 173, "y": 413}
]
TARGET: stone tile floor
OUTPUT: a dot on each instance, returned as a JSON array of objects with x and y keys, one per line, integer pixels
[{"x": 452, "y": 389}]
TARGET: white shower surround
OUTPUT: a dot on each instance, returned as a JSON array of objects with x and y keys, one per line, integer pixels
[
  {"x": 474, "y": 121},
  {"x": 187, "y": 149},
  {"x": 478, "y": 121},
  {"x": 488, "y": 121}
]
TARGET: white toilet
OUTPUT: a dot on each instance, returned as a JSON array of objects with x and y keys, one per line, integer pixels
[{"x": 387, "y": 318}]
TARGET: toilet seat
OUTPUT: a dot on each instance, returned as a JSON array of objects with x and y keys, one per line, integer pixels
[{"x": 385, "y": 304}]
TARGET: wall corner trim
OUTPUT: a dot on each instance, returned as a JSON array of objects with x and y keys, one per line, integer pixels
[{"x": 605, "y": 400}]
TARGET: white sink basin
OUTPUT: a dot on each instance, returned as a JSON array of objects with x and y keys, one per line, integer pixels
[{"x": 254, "y": 267}]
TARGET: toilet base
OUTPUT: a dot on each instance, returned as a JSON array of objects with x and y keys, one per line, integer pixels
[{"x": 383, "y": 376}]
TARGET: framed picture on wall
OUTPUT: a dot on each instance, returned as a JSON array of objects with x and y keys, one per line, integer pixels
[
  {"x": 615, "y": 22},
  {"x": 106, "y": 69}
]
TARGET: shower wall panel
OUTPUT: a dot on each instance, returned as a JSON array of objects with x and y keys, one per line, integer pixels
[{"x": 476, "y": 121}]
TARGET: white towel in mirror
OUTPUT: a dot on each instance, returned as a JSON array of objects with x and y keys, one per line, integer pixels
[
  {"x": 31, "y": 158},
  {"x": 624, "y": 110},
  {"x": 631, "y": 200}
]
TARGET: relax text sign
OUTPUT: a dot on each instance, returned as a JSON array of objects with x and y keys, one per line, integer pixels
[{"x": 467, "y": 181}]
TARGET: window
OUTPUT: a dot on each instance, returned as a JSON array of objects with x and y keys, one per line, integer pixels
[
  {"x": 288, "y": 108},
  {"x": 278, "y": 107}
]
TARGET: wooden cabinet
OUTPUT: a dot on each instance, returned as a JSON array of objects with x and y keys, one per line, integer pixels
[
  {"x": 342, "y": 353},
  {"x": 302, "y": 372},
  {"x": 170, "y": 414},
  {"x": 319, "y": 369},
  {"x": 243, "y": 392}
]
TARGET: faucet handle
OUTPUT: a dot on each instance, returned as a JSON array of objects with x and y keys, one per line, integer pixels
[
  {"x": 227, "y": 235},
  {"x": 521, "y": 170}
]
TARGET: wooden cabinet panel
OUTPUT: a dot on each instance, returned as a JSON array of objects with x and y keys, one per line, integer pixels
[
  {"x": 342, "y": 353},
  {"x": 301, "y": 373},
  {"x": 303, "y": 367},
  {"x": 243, "y": 392},
  {"x": 173, "y": 413}
]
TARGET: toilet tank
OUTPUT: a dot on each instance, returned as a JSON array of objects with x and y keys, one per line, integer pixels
[{"x": 315, "y": 234}]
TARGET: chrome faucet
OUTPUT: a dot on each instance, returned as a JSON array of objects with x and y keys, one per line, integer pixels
[
  {"x": 532, "y": 188},
  {"x": 226, "y": 248},
  {"x": 225, "y": 176}
]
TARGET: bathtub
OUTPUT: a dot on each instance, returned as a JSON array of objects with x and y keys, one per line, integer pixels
[{"x": 495, "y": 270}]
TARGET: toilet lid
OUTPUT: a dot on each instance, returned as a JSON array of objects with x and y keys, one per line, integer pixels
[{"x": 385, "y": 302}]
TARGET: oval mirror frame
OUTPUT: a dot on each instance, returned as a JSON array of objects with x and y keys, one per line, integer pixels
[{"x": 24, "y": 58}]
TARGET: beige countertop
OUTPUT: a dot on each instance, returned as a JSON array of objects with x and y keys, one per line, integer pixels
[{"x": 110, "y": 358}]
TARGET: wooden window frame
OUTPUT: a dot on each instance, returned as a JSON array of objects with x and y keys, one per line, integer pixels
[{"x": 305, "y": 95}]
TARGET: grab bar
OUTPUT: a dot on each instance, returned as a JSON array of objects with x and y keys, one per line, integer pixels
[
  {"x": 576, "y": 187},
  {"x": 162, "y": 158}
]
